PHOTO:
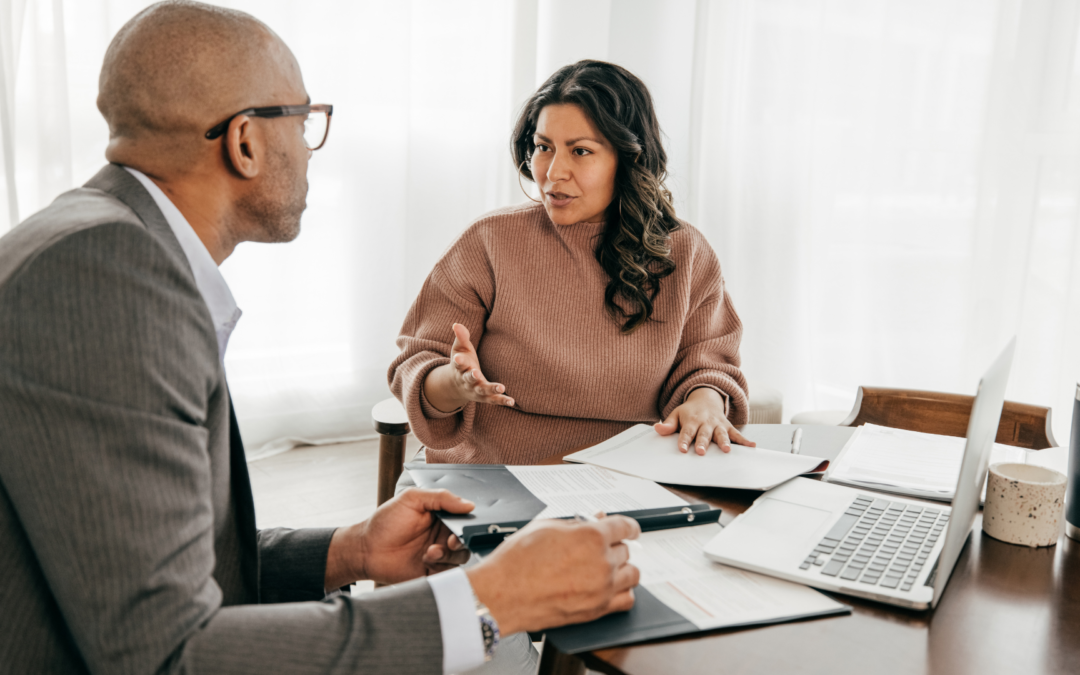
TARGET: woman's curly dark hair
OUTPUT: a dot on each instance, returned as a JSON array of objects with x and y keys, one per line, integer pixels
[{"x": 634, "y": 247}]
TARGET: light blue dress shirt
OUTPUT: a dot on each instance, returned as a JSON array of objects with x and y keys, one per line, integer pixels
[{"x": 463, "y": 644}]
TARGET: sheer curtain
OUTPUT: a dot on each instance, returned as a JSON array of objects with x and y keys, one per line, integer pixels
[{"x": 891, "y": 186}]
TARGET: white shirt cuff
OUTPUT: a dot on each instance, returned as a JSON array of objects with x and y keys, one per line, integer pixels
[{"x": 463, "y": 643}]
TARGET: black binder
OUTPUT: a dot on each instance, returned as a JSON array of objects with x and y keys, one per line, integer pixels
[{"x": 504, "y": 505}]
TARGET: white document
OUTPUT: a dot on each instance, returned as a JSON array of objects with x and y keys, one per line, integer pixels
[
  {"x": 568, "y": 490},
  {"x": 710, "y": 595},
  {"x": 640, "y": 451},
  {"x": 917, "y": 464}
]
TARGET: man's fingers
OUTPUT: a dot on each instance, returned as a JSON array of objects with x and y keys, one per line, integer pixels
[
  {"x": 623, "y": 602},
  {"x": 454, "y": 543},
  {"x": 617, "y": 528},
  {"x": 440, "y": 555},
  {"x": 441, "y": 567},
  {"x": 619, "y": 554},
  {"x": 626, "y": 577},
  {"x": 437, "y": 500},
  {"x": 722, "y": 439},
  {"x": 736, "y": 437}
]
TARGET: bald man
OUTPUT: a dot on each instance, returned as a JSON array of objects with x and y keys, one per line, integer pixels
[{"x": 127, "y": 530}]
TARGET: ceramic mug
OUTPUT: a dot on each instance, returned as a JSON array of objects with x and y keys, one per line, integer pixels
[{"x": 1024, "y": 504}]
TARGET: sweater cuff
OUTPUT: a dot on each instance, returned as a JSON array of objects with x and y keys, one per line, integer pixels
[
  {"x": 718, "y": 390},
  {"x": 430, "y": 411}
]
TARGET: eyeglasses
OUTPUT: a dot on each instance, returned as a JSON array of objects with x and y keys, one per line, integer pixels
[{"x": 316, "y": 126}]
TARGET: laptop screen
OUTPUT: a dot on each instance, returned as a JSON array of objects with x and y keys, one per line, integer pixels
[{"x": 981, "y": 432}]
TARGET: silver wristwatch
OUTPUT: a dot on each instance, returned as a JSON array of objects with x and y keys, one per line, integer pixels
[{"x": 489, "y": 630}]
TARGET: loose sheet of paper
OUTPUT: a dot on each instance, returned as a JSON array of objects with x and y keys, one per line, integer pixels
[
  {"x": 588, "y": 489},
  {"x": 640, "y": 451},
  {"x": 914, "y": 463},
  {"x": 710, "y": 595}
]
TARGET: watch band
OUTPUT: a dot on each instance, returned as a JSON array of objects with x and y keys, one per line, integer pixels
[{"x": 489, "y": 630}]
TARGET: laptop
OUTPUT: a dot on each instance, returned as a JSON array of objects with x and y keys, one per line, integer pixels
[{"x": 857, "y": 542}]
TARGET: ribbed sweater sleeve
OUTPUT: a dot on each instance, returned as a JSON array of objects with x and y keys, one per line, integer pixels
[
  {"x": 460, "y": 289},
  {"x": 531, "y": 294},
  {"x": 708, "y": 353}
]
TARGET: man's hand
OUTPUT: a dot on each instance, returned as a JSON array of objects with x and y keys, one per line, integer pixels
[
  {"x": 555, "y": 572},
  {"x": 702, "y": 420},
  {"x": 461, "y": 381},
  {"x": 402, "y": 540}
]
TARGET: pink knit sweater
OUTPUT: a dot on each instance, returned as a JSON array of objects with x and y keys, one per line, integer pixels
[{"x": 531, "y": 294}]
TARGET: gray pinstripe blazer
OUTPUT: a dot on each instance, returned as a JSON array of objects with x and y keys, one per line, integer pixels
[{"x": 127, "y": 530}]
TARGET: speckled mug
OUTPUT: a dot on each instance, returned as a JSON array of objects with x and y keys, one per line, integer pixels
[{"x": 1024, "y": 504}]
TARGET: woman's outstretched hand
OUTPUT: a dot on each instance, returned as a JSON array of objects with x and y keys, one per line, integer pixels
[
  {"x": 702, "y": 420},
  {"x": 461, "y": 381}
]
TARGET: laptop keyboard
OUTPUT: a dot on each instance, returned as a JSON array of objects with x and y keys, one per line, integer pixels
[{"x": 879, "y": 543}]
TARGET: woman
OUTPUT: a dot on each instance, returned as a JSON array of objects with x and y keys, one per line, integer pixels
[{"x": 552, "y": 326}]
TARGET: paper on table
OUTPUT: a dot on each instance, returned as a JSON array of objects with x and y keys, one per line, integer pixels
[
  {"x": 640, "y": 451},
  {"x": 571, "y": 489},
  {"x": 710, "y": 595},
  {"x": 917, "y": 464}
]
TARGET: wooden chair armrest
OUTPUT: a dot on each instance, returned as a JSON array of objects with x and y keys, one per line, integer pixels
[{"x": 1022, "y": 425}]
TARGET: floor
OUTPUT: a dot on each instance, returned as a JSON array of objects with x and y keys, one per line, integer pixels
[{"x": 319, "y": 486}]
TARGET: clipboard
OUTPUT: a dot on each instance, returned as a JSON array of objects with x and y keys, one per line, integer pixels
[{"x": 504, "y": 505}]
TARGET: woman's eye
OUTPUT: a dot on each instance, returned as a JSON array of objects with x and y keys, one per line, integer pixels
[
  {"x": 540, "y": 147},
  {"x": 581, "y": 152}
]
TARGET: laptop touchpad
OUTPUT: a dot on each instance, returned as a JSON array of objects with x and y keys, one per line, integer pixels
[{"x": 779, "y": 530}]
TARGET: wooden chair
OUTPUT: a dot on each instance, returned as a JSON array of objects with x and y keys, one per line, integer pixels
[
  {"x": 1022, "y": 425},
  {"x": 392, "y": 425}
]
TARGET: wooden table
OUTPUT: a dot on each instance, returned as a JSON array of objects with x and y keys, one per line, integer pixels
[{"x": 1006, "y": 609}]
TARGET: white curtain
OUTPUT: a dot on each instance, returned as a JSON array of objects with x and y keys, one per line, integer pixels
[{"x": 891, "y": 185}]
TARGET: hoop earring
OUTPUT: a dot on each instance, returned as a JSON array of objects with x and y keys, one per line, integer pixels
[{"x": 538, "y": 201}]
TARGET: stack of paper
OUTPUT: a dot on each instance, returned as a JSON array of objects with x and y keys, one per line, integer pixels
[
  {"x": 640, "y": 451},
  {"x": 710, "y": 595},
  {"x": 569, "y": 490},
  {"x": 917, "y": 464}
]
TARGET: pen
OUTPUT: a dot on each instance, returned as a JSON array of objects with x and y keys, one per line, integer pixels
[{"x": 796, "y": 441}]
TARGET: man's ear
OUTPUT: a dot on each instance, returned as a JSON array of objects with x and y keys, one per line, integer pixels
[{"x": 244, "y": 146}]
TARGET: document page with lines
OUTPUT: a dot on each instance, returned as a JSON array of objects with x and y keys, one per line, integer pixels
[{"x": 710, "y": 595}]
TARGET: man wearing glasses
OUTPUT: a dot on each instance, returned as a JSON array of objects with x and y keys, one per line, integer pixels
[{"x": 127, "y": 529}]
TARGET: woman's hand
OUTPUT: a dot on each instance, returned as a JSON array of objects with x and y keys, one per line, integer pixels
[
  {"x": 454, "y": 384},
  {"x": 702, "y": 420}
]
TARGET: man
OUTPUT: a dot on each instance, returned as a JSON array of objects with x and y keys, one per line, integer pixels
[{"x": 127, "y": 530}]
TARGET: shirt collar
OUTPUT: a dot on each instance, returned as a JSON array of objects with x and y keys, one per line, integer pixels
[{"x": 215, "y": 291}]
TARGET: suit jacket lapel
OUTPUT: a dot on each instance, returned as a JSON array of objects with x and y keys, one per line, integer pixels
[{"x": 244, "y": 504}]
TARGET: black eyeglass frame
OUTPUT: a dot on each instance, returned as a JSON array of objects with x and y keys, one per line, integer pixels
[{"x": 278, "y": 111}]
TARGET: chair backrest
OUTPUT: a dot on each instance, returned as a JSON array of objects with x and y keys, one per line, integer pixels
[{"x": 1022, "y": 425}]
